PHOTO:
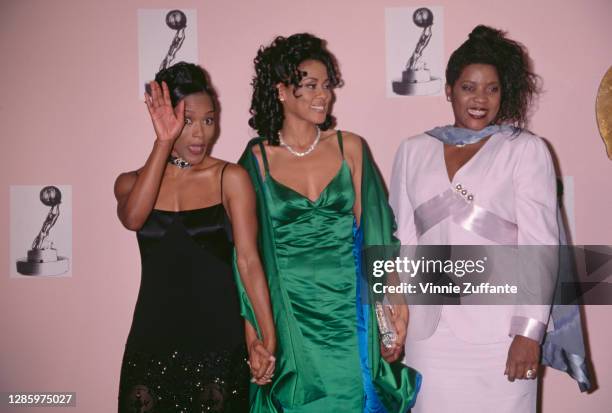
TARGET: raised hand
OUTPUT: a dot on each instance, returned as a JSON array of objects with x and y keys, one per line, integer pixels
[{"x": 167, "y": 121}]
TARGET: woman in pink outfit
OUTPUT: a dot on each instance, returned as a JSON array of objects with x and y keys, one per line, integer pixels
[{"x": 483, "y": 181}]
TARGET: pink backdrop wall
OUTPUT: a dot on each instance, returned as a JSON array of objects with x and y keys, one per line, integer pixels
[{"x": 69, "y": 114}]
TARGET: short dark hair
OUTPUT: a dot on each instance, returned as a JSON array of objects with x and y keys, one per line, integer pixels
[
  {"x": 185, "y": 79},
  {"x": 519, "y": 85},
  {"x": 278, "y": 63}
]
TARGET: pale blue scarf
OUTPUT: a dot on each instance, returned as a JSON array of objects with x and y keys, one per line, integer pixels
[{"x": 455, "y": 136}]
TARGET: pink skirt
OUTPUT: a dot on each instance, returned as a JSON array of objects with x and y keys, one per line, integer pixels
[{"x": 461, "y": 377}]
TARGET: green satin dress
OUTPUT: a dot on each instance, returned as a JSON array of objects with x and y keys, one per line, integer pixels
[
  {"x": 328, "y": 352},
  {"x": 314, "y": 250}
]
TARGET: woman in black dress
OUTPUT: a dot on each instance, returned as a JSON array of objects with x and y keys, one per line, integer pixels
[{"x": 186, "y": 348}]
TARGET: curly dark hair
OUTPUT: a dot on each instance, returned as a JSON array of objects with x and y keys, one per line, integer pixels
[
  {"x": 519, "y": 85},
  {"x": 185, "y": 79},
  {"x": 278, "y": 63}
]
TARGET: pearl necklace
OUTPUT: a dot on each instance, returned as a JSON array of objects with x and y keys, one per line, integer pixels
[{"x": 296, "y": 153}]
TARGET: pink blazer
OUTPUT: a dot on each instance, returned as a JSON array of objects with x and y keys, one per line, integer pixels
[{"x": 512, "y": 177}]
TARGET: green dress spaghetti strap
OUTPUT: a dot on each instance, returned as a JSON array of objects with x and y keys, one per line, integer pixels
[{"x": 325, "y": 355}]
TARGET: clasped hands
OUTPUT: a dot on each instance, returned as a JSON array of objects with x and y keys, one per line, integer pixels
[{"x": 261, "y": 362}]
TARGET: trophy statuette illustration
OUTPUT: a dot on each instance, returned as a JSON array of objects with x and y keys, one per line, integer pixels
[
  {"x": 175, "y": 20},
  {"x": 42, "y": 258},
  {"x": 416, "y": 78}
]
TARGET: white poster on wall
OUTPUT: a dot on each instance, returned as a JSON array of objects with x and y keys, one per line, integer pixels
[
  {"x": 414, "y": 51},
  {"x": 165, "y": 37},
  {"x": 41, "y": 230}
]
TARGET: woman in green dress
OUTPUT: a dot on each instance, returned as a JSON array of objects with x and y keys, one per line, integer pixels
[{"x": 319, "y": 199}]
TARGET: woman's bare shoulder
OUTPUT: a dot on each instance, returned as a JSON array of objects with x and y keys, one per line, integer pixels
[
  {"x": 353, "y": 144},
  {"x": 235, "y": 176},
  {"x": 125, "y": 182}
]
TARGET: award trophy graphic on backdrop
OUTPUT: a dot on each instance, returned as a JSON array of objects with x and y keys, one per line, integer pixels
[
  {"x": 42, "y": 259},
  {"x": 175, "y": 20},
  {"x": 417, "y": 79}
]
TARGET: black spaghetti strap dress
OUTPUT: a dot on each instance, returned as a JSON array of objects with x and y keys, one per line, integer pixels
[{"x": 186, "y": 350}]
